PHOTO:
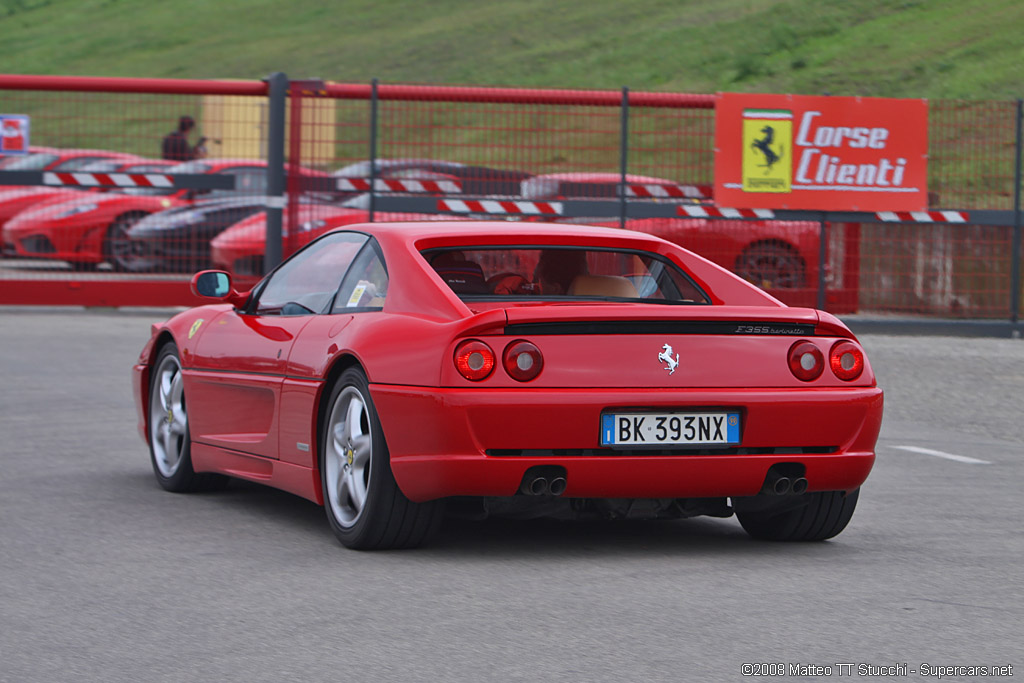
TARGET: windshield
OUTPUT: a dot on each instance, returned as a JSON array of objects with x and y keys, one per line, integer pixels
[
  {"x": 32, "y": 162},
  {"x": 563, "y": 273}
]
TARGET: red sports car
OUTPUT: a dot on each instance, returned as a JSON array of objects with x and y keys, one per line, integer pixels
[
  {"x": 390, "y": 368},
  {"x": 14, "y": 200},
  {"x": 89, "y": 229}
]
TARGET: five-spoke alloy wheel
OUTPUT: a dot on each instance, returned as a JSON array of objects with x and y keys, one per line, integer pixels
[
  {"x": 170, "y": 444},
  {"x": 364, "y": 505}
]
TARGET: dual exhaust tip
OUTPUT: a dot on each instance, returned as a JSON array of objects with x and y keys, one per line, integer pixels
[
  {"x": 544, "y": 480},
  {"x": 785, "y": 480},
  {"x": 784, "y": 486}
]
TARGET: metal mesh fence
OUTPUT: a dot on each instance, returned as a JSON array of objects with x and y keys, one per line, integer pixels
[{"x": 352, "y": 150}]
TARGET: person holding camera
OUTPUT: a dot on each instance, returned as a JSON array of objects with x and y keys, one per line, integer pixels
[{"x": 175, "y": 145}]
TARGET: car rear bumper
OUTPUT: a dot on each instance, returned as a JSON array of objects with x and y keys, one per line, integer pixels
[{"x": 480, "y": 442}]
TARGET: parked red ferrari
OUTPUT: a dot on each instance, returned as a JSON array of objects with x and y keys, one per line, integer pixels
[
  {"x": 89, "y": 229},
  {"x": 18, "y": 199},
  {"x": 390, "y": 368}
]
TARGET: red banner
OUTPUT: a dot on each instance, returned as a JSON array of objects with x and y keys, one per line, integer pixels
[{"x": 821, "y": 153}]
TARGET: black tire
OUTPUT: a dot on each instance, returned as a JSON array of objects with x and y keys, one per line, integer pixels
[
  {"x": 824, "y": 516},
  {"x": 170, "y": 444},
  {"x": 365, "y": 508},
  {"x": 772, "y": 265},
  {"x": 118, "y": 250}
]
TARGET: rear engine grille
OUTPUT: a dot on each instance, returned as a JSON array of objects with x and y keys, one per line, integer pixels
[{"x": 612, "y": 453}]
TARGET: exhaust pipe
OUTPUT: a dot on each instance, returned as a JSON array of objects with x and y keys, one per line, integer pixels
[
  {"x": 556, "y": 486},
  {"x": 535, "y": 486},
  {"x": 799, "y": 486},
  {"x": 782, "y": 486},
  {"x": 543, "y": 480}
]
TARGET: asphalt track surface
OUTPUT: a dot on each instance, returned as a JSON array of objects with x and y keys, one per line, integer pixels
[{"x": 106, "y": 577}]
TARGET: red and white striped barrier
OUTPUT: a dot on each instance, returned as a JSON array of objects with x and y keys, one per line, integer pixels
[
  {"x": 502, "y": 207},
  {"x": 390, "y": 185},
  {"x": 923, "y": 216},
  {"x": 698, "y": 211},
  {"x": 108, "y": 179},
  {"x": 667, "y": 191}
]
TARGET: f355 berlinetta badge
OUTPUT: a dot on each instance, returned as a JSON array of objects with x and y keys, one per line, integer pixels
[{"x": 666, "y": 357}]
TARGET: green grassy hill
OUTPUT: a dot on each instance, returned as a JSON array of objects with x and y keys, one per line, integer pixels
[{"x": 909, "y": 48}]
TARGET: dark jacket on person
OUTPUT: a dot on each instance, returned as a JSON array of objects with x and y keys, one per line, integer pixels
[{"x": 176, "y": 147}]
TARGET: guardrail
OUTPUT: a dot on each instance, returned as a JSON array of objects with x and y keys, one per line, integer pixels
[{"x": 960, "y": 259}]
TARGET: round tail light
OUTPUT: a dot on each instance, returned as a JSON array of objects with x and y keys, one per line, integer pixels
[
  {"x": 474, "y": 360},
  {"x": 522, "y": 360},
  {"x": 806, "y": 361},
  {"x": 846, "y": 360}
]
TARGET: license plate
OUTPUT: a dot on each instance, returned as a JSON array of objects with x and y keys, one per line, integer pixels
[{"x": 670, "y": 429}]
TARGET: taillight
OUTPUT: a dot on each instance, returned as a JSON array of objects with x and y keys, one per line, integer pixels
[
  {"x": 474, "y": 360},
  {"x": 806, "y": 361},
  {"x": 522, "y": 360},
  {"x": 846, "y": 360}
]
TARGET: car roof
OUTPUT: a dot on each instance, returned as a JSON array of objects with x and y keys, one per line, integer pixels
[{"x": 484, "y": 232}]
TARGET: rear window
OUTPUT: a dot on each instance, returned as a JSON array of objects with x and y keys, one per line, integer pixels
[{"x": 563, "y": 273}]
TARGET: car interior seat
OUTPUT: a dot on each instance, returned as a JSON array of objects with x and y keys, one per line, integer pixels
[
  {"x": 602, "y": 285},
  {"x": 464, "y": 277}
]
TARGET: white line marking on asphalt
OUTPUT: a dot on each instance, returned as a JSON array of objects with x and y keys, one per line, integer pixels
[{"x": 941, "y": 454}]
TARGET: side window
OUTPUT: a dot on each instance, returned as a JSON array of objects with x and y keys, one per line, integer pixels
[
  {"x": 366, "y": 285},
  {"x": 307, "y": 282}
]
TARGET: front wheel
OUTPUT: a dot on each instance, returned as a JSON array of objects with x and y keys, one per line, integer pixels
[
  {"x": 824, "y": 515},
  {"x": 365, "y": 507}
]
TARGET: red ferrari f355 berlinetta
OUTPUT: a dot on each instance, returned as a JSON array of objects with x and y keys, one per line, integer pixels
[{"x": 390, "y": 369}]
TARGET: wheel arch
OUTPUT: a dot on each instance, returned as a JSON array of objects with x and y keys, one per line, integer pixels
[
  {"x": 163, "y": 338},
  {"x": 772, "y": 242},
  {"x": 339, "y": 365},
  {"x": 130, "y": 213}
]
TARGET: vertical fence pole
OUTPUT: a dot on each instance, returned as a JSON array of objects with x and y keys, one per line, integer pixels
[
  {"x": 373, "y": 147},
  {"x": 1015, "y": 251},
  {"x": 822, "y": 259},
  {"x": 623, "y": 157},
  {"x": 278, "y": 92}
]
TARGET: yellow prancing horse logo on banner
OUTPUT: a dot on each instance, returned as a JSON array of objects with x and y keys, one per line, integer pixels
[
  {"x": 767, "y": 141},
  {"x": 195, "y": 328}
]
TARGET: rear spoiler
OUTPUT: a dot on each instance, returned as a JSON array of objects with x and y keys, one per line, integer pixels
[{"x": 570, "y": 319}]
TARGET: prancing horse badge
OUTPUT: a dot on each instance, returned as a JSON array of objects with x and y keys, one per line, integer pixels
[{"x": 666, "y": 357}]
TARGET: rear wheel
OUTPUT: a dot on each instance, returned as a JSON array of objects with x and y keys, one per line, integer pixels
[
  {"x": 365, "y": 508},
  {"x": 824, "y": 515},
  {"x": 170, "y": 445},
  {"x": 772, "y": 265}
]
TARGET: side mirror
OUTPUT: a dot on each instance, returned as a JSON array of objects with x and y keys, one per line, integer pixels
[
  {"x": 216, "y": 284},
  {"x": 213, "y": 284}
]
